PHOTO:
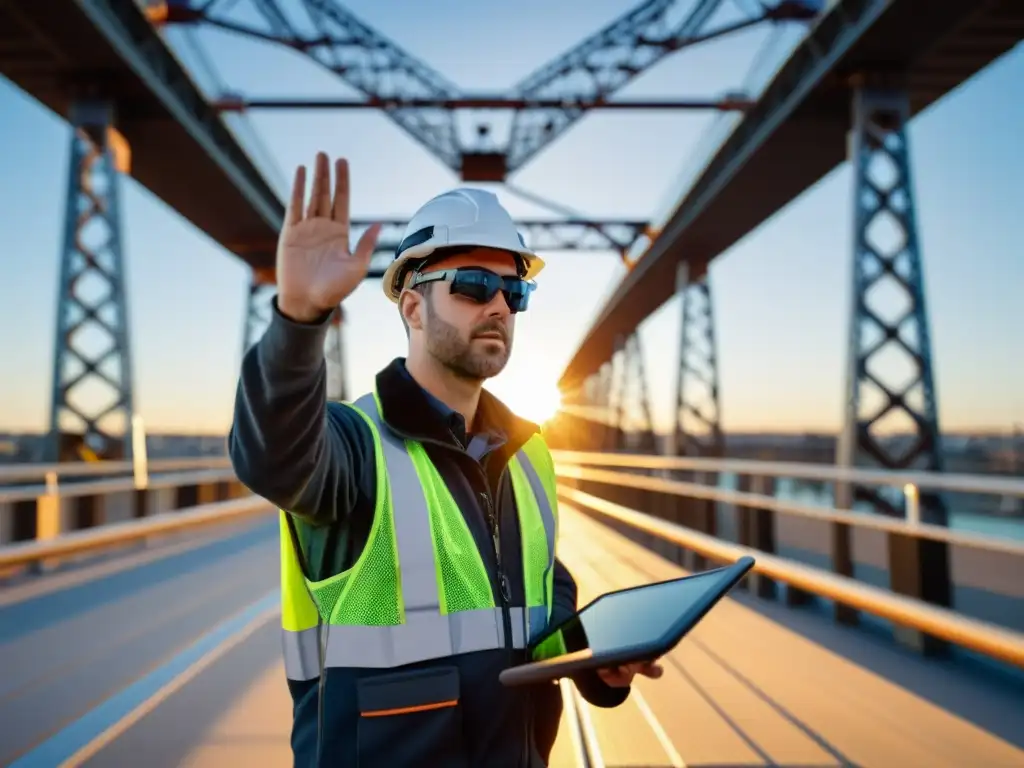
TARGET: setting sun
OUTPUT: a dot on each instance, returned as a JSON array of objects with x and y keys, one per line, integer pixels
[{"x": 536, "y": 402}]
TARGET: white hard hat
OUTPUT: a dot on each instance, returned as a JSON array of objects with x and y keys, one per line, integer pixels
[{"x": 460, "y": 218}]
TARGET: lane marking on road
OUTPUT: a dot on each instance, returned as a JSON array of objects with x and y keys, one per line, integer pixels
[
  {"x": 83, "y": 738},
  {"x": 659, "y": 731}
]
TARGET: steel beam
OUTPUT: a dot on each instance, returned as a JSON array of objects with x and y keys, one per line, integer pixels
[
  {"x": 630, "y": 399},
  {"x": 258, "y": 309},
  {"x": 616, "y": 235},
  {"x": 231, "y": 103},
  {"x": 890, "y": 385},
  {"x": 334, "y": 356},
  {"x": 92, "y": 402},
  {"x": 546, "y": 103},
  {"x": 795, "y": 135},
  {"x": 889, "y": 377},
  {"x": 698, "y": 426}
]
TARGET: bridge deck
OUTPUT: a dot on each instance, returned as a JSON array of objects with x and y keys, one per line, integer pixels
[{"x": 756, "y": 684}]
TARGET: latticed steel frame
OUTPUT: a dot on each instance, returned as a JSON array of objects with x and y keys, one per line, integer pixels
[
  {"x": 582, "y": 77},
  {"x": 629, "y": 388},
  {"x": 617, "y": 235},
  {"x": 258, "y": 308},
  {"x": 334, "y": 358},
  {"x": 879, "y": 141},
  {"x": 92, "y": 253},
  {"x": 698, "y": 426}
]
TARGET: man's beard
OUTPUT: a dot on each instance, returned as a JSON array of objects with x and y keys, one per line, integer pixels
[{"x": 462, "y": 357}]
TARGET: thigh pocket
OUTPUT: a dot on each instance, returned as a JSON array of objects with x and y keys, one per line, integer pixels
[{"x": 411, "y": 719}]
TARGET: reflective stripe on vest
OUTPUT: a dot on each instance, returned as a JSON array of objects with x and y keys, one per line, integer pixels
[{"x": 425, "y": 632}]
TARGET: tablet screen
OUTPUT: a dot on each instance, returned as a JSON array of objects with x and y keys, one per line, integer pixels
[{"x": 637, "y": 617}]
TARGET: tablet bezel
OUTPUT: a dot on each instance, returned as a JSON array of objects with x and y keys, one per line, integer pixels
[{"x": 549, "y": 670}]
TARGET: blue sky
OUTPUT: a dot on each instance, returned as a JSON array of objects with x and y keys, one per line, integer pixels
[{"x": 781, "y": 294}]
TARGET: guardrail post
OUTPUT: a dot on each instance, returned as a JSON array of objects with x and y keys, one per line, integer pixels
[
  {"x": 222, "y": 490},
  {"x": 48, "y": 516},
  {"x": 88, "y": 511},
  {"x": 757, "y": 530},
  {"x": 23, "y": 523},
  {"x": 842, "y": 564},
  {"x": 140, "y": 506},
  {"x": 186, "y": 496},
  {"x": 703, "y": 518},
  {"x": 206, "y": 493},
  {"x": 920, "y": 568}
]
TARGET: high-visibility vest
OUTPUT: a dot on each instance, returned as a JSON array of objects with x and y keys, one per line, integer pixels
[{"x": 419, "y": 590}]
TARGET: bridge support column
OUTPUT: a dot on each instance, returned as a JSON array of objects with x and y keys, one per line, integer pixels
[
  {"x": 92, "y": 403},
  {"x": 337, "y": 379},
  {"x": 257, "y": 307},
  {"x": 891, "y": 418},
  {"x": 257, "y": 317},
  {"x": 697, "y": 429},
  {"x": 633, "y": 426}
]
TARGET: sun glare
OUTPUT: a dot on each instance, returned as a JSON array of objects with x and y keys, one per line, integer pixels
[{"x": 537, "y": 402}]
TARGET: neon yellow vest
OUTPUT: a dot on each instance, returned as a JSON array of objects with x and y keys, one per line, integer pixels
[{"x": 419, "y": 590}]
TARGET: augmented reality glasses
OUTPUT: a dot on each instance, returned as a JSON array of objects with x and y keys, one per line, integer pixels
[{"x": 481, "y": 285}]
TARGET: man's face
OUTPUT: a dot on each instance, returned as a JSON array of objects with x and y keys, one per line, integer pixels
[{"x": 472, "y": 340}]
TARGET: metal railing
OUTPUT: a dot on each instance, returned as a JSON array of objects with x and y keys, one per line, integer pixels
[
  {"x": 105, "y": 493},
  {"x": 982, "y": 637},
  {"x": 37, "y": 473},
  {"x": 936, "y": 481},
  {"x": 116, "y": 535},
  {"x": 572, "y": 464},
  {"x": 103, "y": 486},
  {"x": 902, "y": 610}
]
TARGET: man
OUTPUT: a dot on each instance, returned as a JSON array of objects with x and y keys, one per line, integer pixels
[{"x": 418, "y": 523}]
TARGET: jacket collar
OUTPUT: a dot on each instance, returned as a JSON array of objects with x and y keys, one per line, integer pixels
[{"x": 410, "y": 410}]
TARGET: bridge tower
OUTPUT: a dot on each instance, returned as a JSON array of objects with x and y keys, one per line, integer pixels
[
  {"x": 697, "y": 428},
  {"x": 889, "y": 376},
  {"x": 92, "y": 400},
  {"x": 257, "y": 318},
  {"x": 334, "y": 356},
  {"x": 890, "y": 382},
  {"x": 257, "y": 306}
]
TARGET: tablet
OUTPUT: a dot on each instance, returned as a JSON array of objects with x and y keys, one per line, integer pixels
[{"x": 630, "y": 625}]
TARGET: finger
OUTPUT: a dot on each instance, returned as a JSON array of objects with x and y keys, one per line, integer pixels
[
  {"x": 294, "y": 213},
  {"x": 341, "y": 192},
  {"x": 320, "y": 195},
  {"x": 368, "y": 243},
  {"x": 653, "y": 671}
]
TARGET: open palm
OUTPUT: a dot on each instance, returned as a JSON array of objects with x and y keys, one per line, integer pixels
[{"x": 315, "y": 270}]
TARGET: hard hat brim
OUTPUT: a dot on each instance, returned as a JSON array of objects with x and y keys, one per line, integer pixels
[{"x": 534, "y": 264}]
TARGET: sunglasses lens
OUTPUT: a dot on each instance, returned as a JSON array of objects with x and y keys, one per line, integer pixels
[
  {"x": 478, "y": 286},
  {"x": 517, "y": 294},
  {"x": 481, "y": 286}
]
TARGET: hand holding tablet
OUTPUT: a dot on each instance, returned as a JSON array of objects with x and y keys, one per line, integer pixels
[{"x": 622, "y": 633}]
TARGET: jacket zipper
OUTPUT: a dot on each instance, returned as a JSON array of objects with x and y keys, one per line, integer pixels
[{"x": 504, "y": 588}]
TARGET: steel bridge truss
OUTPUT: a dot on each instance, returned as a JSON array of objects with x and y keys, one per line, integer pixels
[
  {"x": 91, "y": 404},
  {"x": 422, "y": 102},
  {"x": 568, "y": 235},
  {"x": 889, "y": 330},
  {"x": 257, "y": 317}
]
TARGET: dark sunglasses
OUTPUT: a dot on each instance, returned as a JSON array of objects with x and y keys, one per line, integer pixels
[{"x": 481, "y": 285}]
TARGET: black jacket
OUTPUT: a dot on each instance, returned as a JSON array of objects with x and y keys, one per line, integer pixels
[{"x": 316, "y": 460}]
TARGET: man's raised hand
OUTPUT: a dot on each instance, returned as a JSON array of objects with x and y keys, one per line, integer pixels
[{"x": 315, "y": 270}]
